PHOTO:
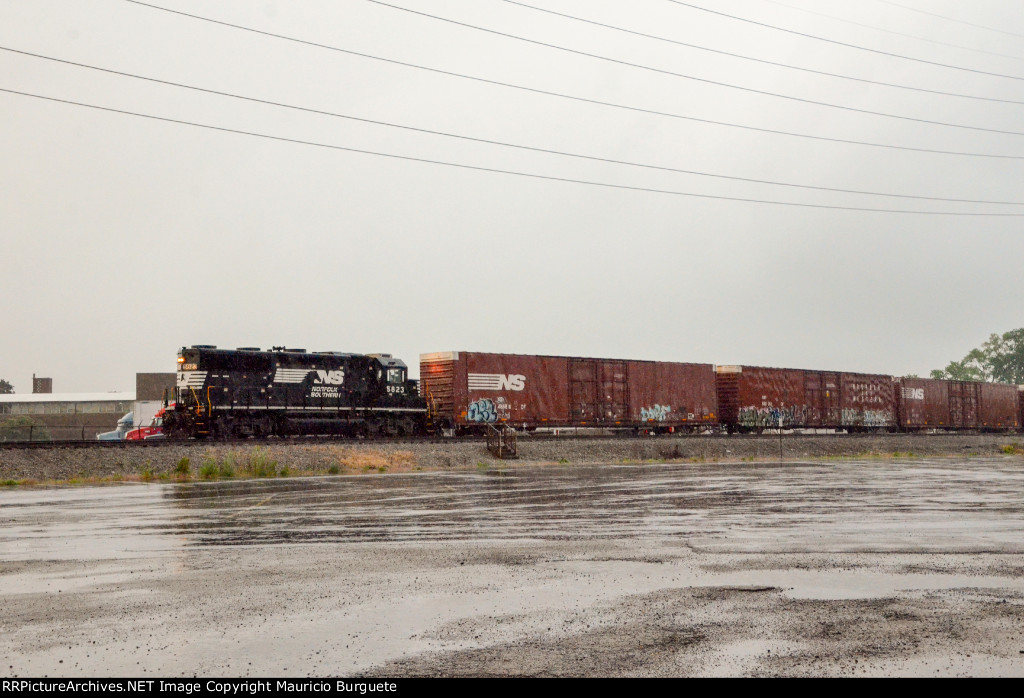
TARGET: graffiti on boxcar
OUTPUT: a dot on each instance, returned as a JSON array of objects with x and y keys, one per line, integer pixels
[
  {"x": 867, "y": 418},
  {"x": 482, "y": 410},
  {"x": 866, "y": 394},
  {"x": 656, "y": 413},
  {"x": 770, "y": 416}
]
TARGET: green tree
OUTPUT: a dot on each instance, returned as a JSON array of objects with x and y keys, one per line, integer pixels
[
  {"x": 999, "y": 360},
  {"x": 1004, "y": 355},
  {"x": 6, "y": 388},
  {"x": 23, "y": 428}
]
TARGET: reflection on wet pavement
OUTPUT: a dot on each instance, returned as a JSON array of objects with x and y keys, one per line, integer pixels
[
  {"x": 897, "y": 506},
  {"x": 867, "y": 505},
  {"x": 379, "y": 573}
]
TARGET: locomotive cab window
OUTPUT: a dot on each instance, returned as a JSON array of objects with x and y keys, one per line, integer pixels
[{"x": 396, "y": 376}]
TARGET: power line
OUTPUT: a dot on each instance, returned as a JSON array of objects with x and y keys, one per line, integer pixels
[
  {"x": 760, "y": 60},
  {"x": 842, "y": 43},
  {"x": 575, "y": 98},
  {"x": 495, "y": 170},
  {"x": 890, "y": 31},
  {"x": 694, "y": 78},
  {"x": 501, "y": 143},
  {"x": 950, "y": 19}
]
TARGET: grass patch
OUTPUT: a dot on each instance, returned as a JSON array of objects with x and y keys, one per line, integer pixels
[
  {"x": 9, "y": 483},
  {"x": 209, "y": 469},
  {"x": 183, "y": 467},
  {"x": 1013, "y": 449},
  {"x": 347, "y": 459},
  {"x": 261, "y": 464}
]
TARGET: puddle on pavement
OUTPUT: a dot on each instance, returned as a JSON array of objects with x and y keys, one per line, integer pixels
[{"x": 800, "y": 507}]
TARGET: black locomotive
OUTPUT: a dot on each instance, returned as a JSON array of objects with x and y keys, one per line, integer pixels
[{"x": 224, "y": 393}]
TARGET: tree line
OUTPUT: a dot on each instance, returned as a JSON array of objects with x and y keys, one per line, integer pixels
[{"x": 999, "y": 360}]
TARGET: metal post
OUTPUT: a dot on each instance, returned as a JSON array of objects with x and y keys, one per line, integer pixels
[{"x": 780, "y": 438}]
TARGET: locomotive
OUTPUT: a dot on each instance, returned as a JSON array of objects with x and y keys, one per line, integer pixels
[{"x": 233, "y": 393}]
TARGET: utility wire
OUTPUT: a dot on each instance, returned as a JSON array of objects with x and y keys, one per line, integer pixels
[
  {"x": 531, "y": 175},
  {"x": 842, "y": 43},
  {"x": 761, "y": 60},
  {"x": 694, "y": 78},
  {"x": 950, "y": 19},
  {"x": 574, "y": 98},
  {"x": 502, "y": 143},
  {"x": 890, "y": 31}
]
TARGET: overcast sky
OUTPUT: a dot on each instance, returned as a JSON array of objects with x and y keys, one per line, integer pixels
[{"x": 125, "y": 238}]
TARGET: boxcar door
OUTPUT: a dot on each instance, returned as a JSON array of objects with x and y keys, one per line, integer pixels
[
  {"x": 963, "y": 405},
  {"x": 956, "y": 405},
  {"x": 831, "y": 400},
  {"x": 972, "y": 405},
  {"x": 583, "y": 387},
  {"x": 814, "y": 396},
  {"x": 614, "y": 391}
]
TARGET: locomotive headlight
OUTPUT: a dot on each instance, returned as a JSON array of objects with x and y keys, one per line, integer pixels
[{"x": 181, "y": 359}]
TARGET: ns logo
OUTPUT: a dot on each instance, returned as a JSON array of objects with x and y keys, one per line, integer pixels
[
  {"x": 496, "y": 381},
  {"x": 329, "y": 378},
  {"x": 512, "y": 382}
]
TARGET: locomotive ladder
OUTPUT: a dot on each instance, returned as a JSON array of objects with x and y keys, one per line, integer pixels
[{"x": 501, "y": 441}]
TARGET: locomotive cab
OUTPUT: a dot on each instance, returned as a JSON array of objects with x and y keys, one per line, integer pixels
[{"x": 392, "y": 374}]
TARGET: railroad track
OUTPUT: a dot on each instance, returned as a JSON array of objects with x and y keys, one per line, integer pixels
[{"x": 524, "y": 437}]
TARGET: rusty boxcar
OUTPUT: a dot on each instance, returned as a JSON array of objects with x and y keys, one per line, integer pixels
[
  {"x": 1020, "y": 402},
  {"x": 924, "y": 403},
  {"x": 467, "y": 390},
  {"x": 753, "y": 398}
]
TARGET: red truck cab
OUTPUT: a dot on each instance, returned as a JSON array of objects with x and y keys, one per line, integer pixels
[{"x": 155, "y": 430}]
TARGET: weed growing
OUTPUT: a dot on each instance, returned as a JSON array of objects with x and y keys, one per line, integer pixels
[{"x": 209, "y": 469}]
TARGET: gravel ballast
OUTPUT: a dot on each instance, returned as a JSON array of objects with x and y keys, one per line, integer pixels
[{"x": 302, "y": 456}]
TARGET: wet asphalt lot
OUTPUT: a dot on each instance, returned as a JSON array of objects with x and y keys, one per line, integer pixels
[{"x": 877, "y": 567}]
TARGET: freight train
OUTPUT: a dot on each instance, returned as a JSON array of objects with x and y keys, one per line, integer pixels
[
  {"x": 466, "y": 390},
  {"x": 226, "y": 393}
]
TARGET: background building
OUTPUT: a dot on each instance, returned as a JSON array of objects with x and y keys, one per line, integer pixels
[{"x": 47, "y": 416}]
